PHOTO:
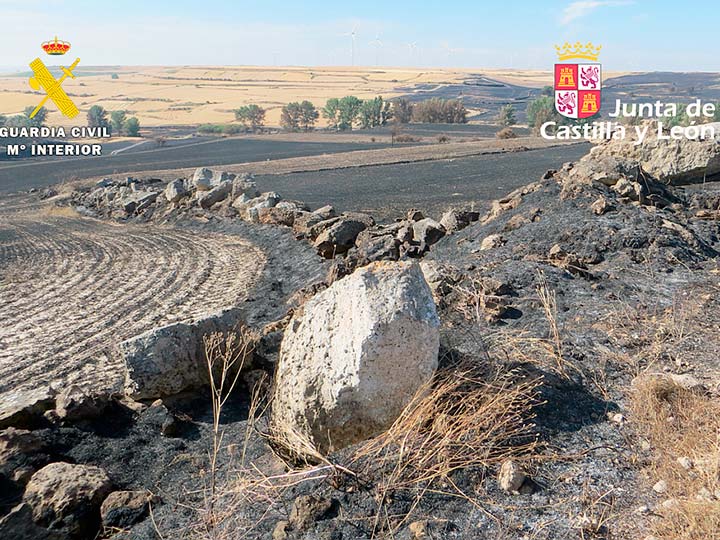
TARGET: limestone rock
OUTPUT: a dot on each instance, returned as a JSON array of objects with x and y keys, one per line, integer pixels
[
  {"x": 601, "y": 206},
  {"x": 428, "y": 231},
  {"x": 353, "y": 357},
  {"x": 18, "y": 524},
  {"x": 672, "y": 161},
  {"x": 20, "y": 408},
  {"x": 456, "y": 220},
  {"x": 122, "y": 509},
  {"x": 205, "y": 179},
  {"x": 215, "y": 195},
  {"x": 340, "y": 236},
  {"x": 175, "y": 190},
  {"x": 377, "y": 246},
  {"x": 511, "y": 477},
  {"x": 66, "y": 497},
  {"x": 307, "y": 509},
  {"x": 167, "y": 360},
  {"x": 74, "y": 404},
  {"x": 491, "y": 241},
  {"x": 277, "y": 216}
]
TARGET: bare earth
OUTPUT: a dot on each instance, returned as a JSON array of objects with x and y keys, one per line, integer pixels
[{"x": 72, "y": 288}]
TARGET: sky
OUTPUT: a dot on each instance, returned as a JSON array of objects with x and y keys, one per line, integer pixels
[{"x": 636, "y": 35}]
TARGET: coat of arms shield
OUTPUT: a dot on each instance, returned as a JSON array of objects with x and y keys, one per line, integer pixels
[{"x": 577, "y": 89}]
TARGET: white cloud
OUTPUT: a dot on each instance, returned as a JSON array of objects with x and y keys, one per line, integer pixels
[{"x": 577, "y": 10}]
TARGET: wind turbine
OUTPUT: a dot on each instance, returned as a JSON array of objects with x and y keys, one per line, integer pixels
[
  {"x": 449, "y": 50},
  {"x": 413, "y": 47},
  {"x": 378, "y": 46},
  {"x": 352, "y": 50}
]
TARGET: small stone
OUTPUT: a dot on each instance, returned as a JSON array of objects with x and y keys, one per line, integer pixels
[
  {"x": 66, "y": 496},
  {"x": 643, "y": 509},
  {"x": 122, "y": 509},
  {"x": 280, "y": 532},
  {"x": 600, "y": 206},
  {"x": 492, "y": 241},
  {"x": 618, "y": 418},
  {"x": 511, "y": 476},
  {"x": 418, "y": 529},
  {"x": 17, "y": 441},
  {"x": 660, "y": 487},
  {"x": 704, "y": 494},
  {"x": 73, "y": 404},
  {"x": 308, "y": 509},
  {"x": 685, "y": 462},
  {"x": 415, "y": 215},
  {"x": 669, "y": 504}
]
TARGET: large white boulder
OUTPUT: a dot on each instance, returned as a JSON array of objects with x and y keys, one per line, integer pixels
[
  {"x": 353, "y": 358},
  {"x": 673, "y": 161}
]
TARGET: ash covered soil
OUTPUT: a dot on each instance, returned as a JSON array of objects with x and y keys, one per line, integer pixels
[{"x": 553, "y": 304}]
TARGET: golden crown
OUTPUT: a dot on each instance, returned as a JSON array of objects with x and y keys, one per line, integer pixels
[
  {"x": 578, "y": 50},
  {"x": 56, "y": 47}
]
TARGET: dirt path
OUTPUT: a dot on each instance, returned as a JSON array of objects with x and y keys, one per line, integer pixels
[{"x": 71, "y": 288}]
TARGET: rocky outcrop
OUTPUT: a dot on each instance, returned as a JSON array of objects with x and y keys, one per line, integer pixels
[
  {"x": 671, "y": 161},
  {"x": 205, "y": 179},
  {"x": 67, "y": 497},
  {"x": 340, "y": 236},
  {"x": 215, "y": 195},
  {"x": 167, "y": 360},
  {"x": 353, "y": 357}
]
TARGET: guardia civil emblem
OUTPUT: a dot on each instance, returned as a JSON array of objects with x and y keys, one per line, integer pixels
[{"x": 578, "y": 86}]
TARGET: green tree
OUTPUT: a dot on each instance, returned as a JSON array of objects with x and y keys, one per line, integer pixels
[
  {"x": 680, "y": 118},
  {"x": 402, "y": 110},
  {"x": 547, "y": 91},
  {"x": 331, "y": 112},
  {"x": 132, "y": 127},
  {"x": 440, "y": 111},
  {"x": 348, "y": 109},
  {"x": 371, "y": 113},
  {"x": 308, "y": 115},
  {"x": 97, "y": 117},
  {"x": 716, "y": 116},
  {"x": 3, "y": 120},
  {"x": 19, "y": 120},
  {"x": 117, "y": 120},
  {"x": 506, "y": 116},
  {"x": 290, "y": 116},
  {"x": 39, "y": 119},
  {"x": 252, "y": 116},
  {"x": 540, "y": 110}
]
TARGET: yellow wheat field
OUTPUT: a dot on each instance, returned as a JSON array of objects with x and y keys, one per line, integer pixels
[{"x": 176, "y": 96}]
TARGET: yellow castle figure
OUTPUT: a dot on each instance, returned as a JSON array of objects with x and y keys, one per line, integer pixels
[
  {"x": 589, "y": 104},
  {"x": 566, "y": 79}
]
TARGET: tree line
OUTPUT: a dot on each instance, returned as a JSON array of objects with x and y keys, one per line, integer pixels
[
  {"x": 97, "y": 116},
  {"x": 347, "y": 113}
]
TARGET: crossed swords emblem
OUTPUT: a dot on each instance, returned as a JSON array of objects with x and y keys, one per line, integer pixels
[{"x": 53, "y": 87}]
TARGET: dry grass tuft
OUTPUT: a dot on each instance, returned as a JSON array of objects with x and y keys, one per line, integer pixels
[
  {"x": 681, "y": 424},
  {"x": 458, "y": 421}
]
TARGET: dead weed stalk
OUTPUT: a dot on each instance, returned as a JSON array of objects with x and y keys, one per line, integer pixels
[{"x": 226, "y": 355}]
